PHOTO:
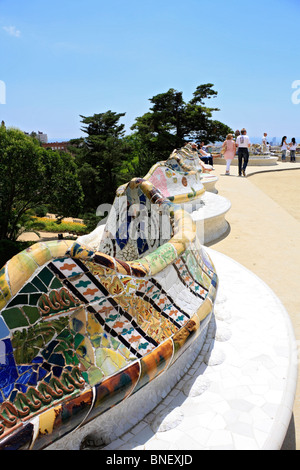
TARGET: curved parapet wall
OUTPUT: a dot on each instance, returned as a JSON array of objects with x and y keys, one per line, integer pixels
[
  {"x": 255, "y": 157},
  {"x": 255, "y": 160},
  {"x": 187, "y": 159},
  {"x": 183, "y": 176},
  {"x": 177, "y": 186},
  {"x": 81, "y": 330}
]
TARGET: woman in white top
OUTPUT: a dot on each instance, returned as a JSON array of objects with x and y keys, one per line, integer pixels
[
  {"x": 284, "y": 147},
  {"x": 292, "y": 149}
]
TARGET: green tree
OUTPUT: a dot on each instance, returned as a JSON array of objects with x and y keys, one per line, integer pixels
[
  {"x": 142, "y": 157},
  {"x": 30, "y": 177},
  {"x": 171, "y": 122},
  {"x": 102, "y": 157}
]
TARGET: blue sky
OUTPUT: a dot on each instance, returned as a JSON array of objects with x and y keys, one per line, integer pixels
[{"x": 62, "y": 59}]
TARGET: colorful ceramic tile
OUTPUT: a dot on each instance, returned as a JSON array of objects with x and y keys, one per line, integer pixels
[{"x": 82, "y": 328}]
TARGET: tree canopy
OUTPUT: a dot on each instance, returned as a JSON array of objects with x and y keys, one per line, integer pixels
[
  {"x": 32, "y": 176},
  {"x": 76, "y": 183},
  {"x": 102, "y": 157},
  {"x": 171, "y": 121},
  {"x": 107, "y": 158}
]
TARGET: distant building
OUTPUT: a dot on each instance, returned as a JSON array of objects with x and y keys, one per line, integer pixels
[
  {"x": 61, "y": 146},
  {"x": 43, "y": 138}
]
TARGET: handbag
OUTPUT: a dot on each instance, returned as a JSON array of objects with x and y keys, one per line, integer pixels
[{"x": 223, "y": 149}]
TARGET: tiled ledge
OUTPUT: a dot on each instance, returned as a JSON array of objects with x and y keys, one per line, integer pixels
[
  {"x": 210, "y": 217},
  {"x": 209, "y": 182}
]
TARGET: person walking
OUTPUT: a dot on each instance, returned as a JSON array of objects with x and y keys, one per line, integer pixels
[
  {"x": 292, "y": 149},
  {"x": 284, "y": 148},
  {"x": 243, "y": 144},
  {"x": 264, "y": 143},
  {"x": 229, "y": 151}
]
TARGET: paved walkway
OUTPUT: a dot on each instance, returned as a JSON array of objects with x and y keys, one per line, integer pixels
[{"x": 264, "y": 237}]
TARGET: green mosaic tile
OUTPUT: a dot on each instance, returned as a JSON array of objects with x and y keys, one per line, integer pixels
[
  {"x": 29, "y": 288},
  {"x": 56, "y": 284},
  {"x": 46, "y": 276},
  {"x": 96, "y": 342},
  {"x": 39, "y": 284},
  {"x": 115, "y": 344},
  {"x": 33, "y": 299},
  {"x": 21, "y": 299},
  {"x": 84, "y": 363},
  {"x": 32, "y": 313},
  {"x": 94, "y": 376},
  {"x": 70, "y": 358},
  {"x": 78, "y": 340},
  {"x": 14, "y": 318}
]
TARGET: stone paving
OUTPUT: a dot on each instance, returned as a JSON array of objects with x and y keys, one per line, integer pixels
[{"x": 264, "y": 237}]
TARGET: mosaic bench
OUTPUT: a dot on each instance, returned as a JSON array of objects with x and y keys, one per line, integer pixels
[
  {"x": 186, "y": 180},
  {"x": 82, "y": 329},
  {"x": 182, "y": 173}
]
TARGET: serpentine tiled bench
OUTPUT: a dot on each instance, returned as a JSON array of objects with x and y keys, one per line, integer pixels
[
  {"x": 82, "y": 329},
  {"x": 185, "y": 180}
]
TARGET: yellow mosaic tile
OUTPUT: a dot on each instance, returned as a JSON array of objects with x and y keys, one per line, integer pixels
[
  {"x": 47, "y": 420},
  {"x": 59, "y": 248},
  {"x": 19, "y": 269},
  {"x": 5, "y": 293},
  {"x": 109, "y": 361},
  {"x": 40, "y": 253}
]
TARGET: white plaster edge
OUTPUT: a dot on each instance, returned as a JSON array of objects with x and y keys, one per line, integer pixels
[{"x": 285, "y": 410}]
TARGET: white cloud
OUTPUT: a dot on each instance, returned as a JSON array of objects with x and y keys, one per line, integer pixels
[{"x": 12, "y": 31}]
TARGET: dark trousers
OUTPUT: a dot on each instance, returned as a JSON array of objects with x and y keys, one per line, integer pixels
[
  {"x": 243, "y": 154},
  {"x": 207, "y": 160}
]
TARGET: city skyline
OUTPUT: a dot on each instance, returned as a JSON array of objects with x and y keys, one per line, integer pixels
[{"x": 76, "y": 58}]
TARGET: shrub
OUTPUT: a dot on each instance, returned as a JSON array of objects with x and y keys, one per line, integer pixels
[{"x": 60, "y": 226}]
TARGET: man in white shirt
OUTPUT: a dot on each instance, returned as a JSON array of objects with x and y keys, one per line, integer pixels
[
  {"x": 243, "y": 143},
  {"x": 264, "y": 143}
]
